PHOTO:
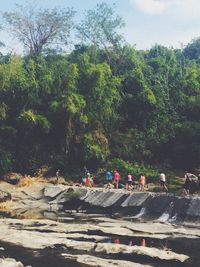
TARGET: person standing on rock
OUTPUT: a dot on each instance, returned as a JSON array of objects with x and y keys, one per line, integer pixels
[
  {"x": 109, "y": 178},
  {"x": 142, "y": 182},
  {"x": 116, "y": 179},
  {"x": 163, "y": 185},
  {"x": 88, "y": 180},
  {"x": 187, "y": 184},
  {"x": 129, "y": 181}
]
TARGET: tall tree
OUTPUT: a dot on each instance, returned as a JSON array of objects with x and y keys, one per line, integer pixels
[
  {"x": 38, "y": 29},
  {"x": 101, "y": 27}
]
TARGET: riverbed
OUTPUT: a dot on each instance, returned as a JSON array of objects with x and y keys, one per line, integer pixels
[{"x": 39, "y": 233}]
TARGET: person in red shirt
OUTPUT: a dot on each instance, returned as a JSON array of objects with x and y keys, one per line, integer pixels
[{"x": 116, "y": 178}]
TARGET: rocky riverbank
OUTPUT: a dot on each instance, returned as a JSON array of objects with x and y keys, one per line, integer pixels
[{"x": 70, "y": 226}]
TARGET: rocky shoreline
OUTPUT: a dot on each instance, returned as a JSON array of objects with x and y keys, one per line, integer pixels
[{"x": 127, "y": 229}]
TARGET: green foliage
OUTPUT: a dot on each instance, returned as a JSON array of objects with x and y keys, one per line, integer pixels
[
  {"x": 32, "y": 119},
  {"x": 100, "y": 26},
  {"x": 99, "y": 102},
  {"x": 6, "y": 161},
  {"x": 135, "y": 169},
  {"x": 96, "y": 146},
  {"x": 3, "y": 111}
]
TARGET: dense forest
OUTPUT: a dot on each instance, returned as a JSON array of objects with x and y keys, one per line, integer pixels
[{"x": 103, "y": 100}]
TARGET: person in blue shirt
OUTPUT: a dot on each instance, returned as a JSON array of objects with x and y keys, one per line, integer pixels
[{"x": 109, "y": 178}]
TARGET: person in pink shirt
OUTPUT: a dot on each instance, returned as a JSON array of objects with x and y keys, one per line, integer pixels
[
  {"x": 116, "y": 178},
  {"x": 129, "y": 181}
]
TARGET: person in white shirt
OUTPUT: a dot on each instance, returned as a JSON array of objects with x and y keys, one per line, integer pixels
[{"x": 163, "y": 185}]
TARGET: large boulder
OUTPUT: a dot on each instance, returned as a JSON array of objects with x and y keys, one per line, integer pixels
[{"x": 53, "y": 191}]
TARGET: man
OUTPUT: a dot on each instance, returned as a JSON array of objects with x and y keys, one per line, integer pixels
[
  {"x": 109, "y": 178},
  {"x": 163, "y": 182}
]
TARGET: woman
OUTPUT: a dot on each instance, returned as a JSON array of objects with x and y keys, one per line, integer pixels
[
  {"x": 129, "y": 181},
  {"x": 142, "y": 182},
  {"x": 116, "y": 179},
  {"x": 88, "y": 182}
]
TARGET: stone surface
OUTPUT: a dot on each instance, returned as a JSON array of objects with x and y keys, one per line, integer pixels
[
  {"x": 140, "y": 250},
  {"x": 10, "y": 263},
  {"x": 194, "y": 207},
  {"x": 89, "y": 233},
  {"x": 88, "y": 260},
  {"x": 136, "y": 199},
  {"x": 53, "y": 190},
  {"x": 4, "y": 196}
]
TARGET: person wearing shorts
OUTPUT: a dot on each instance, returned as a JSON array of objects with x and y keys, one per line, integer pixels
[
  {"x": 163, "y": 185},
  {"x": 116, "y": 178},
  {"x": 130, "y": 181},
  {"x": 109, "y": 179},
  {"x": 142, "y": 182}
]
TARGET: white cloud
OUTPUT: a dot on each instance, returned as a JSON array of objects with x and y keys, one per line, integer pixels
[
  {"x": 152, "y": 7},
  {"x": 181, "y": 8}
]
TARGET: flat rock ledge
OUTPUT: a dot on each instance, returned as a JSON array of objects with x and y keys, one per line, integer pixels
[
  {"x": 31, "y": 234},
  {"x": 8, "y": 262},
  {"x": 97, "y": 261}
]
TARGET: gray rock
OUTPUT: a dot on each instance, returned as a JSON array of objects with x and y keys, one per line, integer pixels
[
  {"x": 194, "y": 208},
  {"x": 159, "y": 203},
  {"x": 136, "y": 199},
  {"x": 88, "y": 260},
  {"x": 140, "y": 250},
  {"x": 4, "y": 196},
  {"x": 10, "y": 263},
  {"x": 53, "y": 191},
  {"x": 114, "y": 200}
]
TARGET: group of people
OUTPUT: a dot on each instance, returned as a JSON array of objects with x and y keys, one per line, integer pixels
[
  {"x": 87, "y": 179},
  {"x": 114, "y": 179}
]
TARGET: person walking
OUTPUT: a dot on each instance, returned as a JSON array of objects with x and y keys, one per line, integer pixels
[
  {"x": 163, "y": 185},
  {"x": 142, "y": 182},
  {"x": 109, "y": 178},
  {"x": 88, "y": 182},
  {"x": 191, "y": 183},
  {"x": 116, "y": 179},
  {"x": 129, "y": 181},
  {"x": 187, "y": 184}
]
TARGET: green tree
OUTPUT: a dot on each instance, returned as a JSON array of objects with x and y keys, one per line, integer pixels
[{"x": 101, "y": 28}]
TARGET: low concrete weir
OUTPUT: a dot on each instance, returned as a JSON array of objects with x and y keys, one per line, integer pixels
[{"x": 161, "y": 206}]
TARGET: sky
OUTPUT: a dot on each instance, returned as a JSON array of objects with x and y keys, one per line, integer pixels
[{"x": 172, "y": 23}]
